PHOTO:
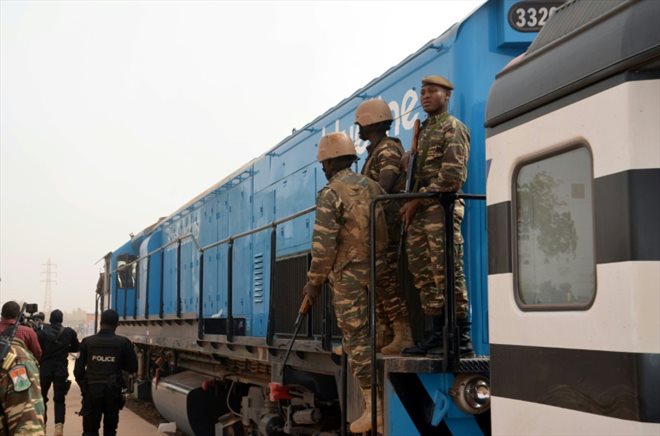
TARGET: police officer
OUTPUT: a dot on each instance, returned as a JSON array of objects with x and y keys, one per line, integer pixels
[
  {"x": 98, "y": 371},
  {"x": 443, "y": 149},
  {"x": 56, "y": 343},
  {"x": 340, "y": 254},
  {"x": 22, "y": 408},
  {"x": 384, "y": 154}
]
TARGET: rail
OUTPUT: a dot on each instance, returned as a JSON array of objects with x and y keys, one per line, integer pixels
[{"x": 272, "y": 226}]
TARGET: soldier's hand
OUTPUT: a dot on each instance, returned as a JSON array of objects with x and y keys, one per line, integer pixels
[
  {"x": 408, "y": 211},
  {"x": 312, "y": 291}
]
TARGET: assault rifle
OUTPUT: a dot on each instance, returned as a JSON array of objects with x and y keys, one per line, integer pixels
[{"x": 410, "y": 181}]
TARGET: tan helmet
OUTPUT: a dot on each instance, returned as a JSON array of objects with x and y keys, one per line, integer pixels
[
  {"x": 372, "y": 112},
  {"x": 334, "y": 145}
]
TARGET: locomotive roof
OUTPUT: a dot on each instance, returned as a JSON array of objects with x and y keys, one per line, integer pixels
[{"x": 583, "y": 43}]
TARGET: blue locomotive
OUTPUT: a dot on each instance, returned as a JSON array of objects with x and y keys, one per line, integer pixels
[{"x": 210, "y": 293}]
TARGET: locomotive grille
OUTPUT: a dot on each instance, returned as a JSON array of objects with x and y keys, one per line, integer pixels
[{"x": 291, "y": 277}]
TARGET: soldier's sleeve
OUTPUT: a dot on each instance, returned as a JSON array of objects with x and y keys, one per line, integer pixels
[
  {"x": 24, "y": 410},
  {"x": 453, "y": 169},
  {"x": 324, "y": 239},
  {"x": 81, "y": 361},
  {"x": 389, "y": 159}
]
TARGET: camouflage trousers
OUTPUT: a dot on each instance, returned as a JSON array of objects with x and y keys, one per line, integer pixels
[
  {"x": 425, "y": 247},
  {"x": 389, "y": 303},
  {"x": 351, "y": 302}
]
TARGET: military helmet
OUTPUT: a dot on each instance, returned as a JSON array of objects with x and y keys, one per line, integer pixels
[
  {"x": 372, "y": 112},
  {"x": 334, "y": 145}
]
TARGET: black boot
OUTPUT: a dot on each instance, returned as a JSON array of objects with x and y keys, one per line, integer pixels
[
  {"x": 465, "y": 350},
  {"x": 465, "y": 342},
  {"x": 432, "y": 339}
]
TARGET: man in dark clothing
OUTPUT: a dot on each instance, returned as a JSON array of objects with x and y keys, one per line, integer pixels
[
  {"x": 98, "y": 371},
  {"x": 56, "y": 343},
  {"x": 10, "y": 313}
]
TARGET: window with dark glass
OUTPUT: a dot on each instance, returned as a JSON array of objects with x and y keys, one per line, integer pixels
[
  {"x": 554, "y": 231},
  {"x": 126, "y": 271}
]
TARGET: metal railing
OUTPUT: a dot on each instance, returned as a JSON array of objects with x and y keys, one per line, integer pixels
[{"x": 451, "y": 338}]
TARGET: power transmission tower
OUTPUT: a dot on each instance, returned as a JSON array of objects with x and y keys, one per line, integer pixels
[{"x": 50, "y": 275}]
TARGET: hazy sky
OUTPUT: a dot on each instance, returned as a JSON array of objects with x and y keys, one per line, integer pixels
[{"x": 113, "y": 114}]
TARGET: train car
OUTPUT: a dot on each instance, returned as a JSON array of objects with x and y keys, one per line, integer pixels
[
  {"x": 573, "y": 143},
  {"x": 210, "y": 293}
]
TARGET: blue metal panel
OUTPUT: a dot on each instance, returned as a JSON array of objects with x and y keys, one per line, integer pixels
[
  {"x": 189, "y": 273},
  {"x": 459, "y": 422},
  {"x": 264, "y": 213},
  {"x": 169, "y": 277}
]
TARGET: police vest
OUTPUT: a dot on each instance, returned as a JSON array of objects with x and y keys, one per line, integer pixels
[{"x": 104, "y": 354}]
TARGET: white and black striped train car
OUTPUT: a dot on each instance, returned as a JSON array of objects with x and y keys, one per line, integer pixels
[{"x": 573, "y": 144}]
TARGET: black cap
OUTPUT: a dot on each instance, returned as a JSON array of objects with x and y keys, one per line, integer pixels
[
  {"x": 56, "y": 316},
  {"x": 110, "y": 317}
]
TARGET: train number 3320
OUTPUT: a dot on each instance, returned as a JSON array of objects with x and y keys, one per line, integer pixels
[{"x": 530, "y": 16}]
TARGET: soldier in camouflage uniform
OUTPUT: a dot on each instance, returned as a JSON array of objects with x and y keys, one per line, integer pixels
[
  {"x": 374, "y": 119},
  {"x": 21, "y": 404},
  {"x": 442, "y": 156},
  {"x": 340, "y": 254}
]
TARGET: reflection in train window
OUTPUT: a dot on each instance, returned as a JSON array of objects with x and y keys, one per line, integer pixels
[
  {"x": 126, "y": 273},
  {"x": 554, "y": 232}
]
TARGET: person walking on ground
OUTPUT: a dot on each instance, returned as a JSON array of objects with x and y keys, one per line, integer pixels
[
  {"x": 22, "y": 408},
  {"x": 98, "y": 372},
  {"x": 56, "y": 343},
  {"x": 10, "y": 312}
]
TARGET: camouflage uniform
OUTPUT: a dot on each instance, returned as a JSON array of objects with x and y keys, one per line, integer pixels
[
  {"x": 443, "y": 149},
  {"x": 20, "y": 393},
  {"x": 340, "y": 253},
  {"x": 386, "y": 156}
]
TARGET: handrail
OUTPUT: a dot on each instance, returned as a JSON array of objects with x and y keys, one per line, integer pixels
[{"x": 450, "y": 339}]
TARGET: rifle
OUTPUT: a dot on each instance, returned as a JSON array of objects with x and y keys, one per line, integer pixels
[
  {"x": 302, "y": 311},
  {"x": 5, "y": 342},
  {"x": 410, "y": 181}
]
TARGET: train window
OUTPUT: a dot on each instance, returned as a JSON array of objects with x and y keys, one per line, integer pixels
[
  {"x": 126, "y": 271},
  {"x": 554, "y": 246}
]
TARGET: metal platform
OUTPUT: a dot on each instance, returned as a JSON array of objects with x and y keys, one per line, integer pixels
[{"x": 411, "y": 364}]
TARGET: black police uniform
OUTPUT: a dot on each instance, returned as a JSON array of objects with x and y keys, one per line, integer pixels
[
  {"x": 98, "y": 371},
  {"x": 56, "y": 343}
]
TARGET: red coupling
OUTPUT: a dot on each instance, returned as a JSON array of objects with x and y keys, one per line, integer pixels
[{"x": 278, "y": 392}]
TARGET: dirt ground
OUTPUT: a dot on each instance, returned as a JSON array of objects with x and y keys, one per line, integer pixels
[{"x": 148, "y": 412}]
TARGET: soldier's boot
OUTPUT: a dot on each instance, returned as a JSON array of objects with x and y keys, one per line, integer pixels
[
  {"x": 363, "y": 423},
  {"x": 465, "y": 350},
  {"x": 384, "y": 334},
  {"x": 59, "y": 429},
  {"x": 402, "y": 337},
  {"x": 432, "y": 339}
]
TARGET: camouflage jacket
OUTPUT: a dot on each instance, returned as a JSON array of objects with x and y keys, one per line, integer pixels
[
  {"x": 384, "y": 156},
  {"x": 341, "y": 229},
  {"x": 443, "y": 148},
  {"x": 20, "y": 393}
]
